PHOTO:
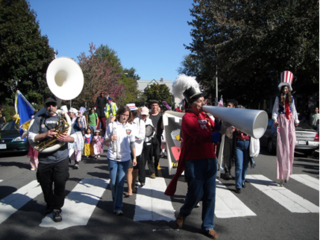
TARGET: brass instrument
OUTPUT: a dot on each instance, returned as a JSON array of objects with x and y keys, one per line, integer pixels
[
  {"x": 61, "y": 128},
  {"x": 65, "y": 80}
]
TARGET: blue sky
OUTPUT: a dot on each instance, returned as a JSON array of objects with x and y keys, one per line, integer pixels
[{"x": 147, "y": 35}]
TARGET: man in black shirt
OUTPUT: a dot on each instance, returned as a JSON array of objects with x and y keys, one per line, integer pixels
[
  {"x": 100, "y": 108},
  {"x": 156, "y": 118}
]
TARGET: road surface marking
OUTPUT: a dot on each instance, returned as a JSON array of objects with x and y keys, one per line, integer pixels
[
  {"x": 286, "y": 198},
  {"x": 228, "y": 205},
  {"x": 307, "y": 180},
  {"x": 10, "y": 204},
  {"x": 79, "y": 204},
  {"x": 151, "y": 202}
]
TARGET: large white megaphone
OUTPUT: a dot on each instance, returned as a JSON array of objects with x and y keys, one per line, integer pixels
[{"x": 251, "y": 122}]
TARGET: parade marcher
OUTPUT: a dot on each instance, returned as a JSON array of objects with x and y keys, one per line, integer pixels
[
  {"x": 228, "y": 146},
  {"x": 197, "y": 159},
  {"x": 147, "y": 148},
  {"x": 156, "y": 118},
  {"x": 122, "y": 140},
  {"x": 242, "y": 142},
  {"x": 2, "y": 118},
  {"x": 111, "y": 110},
  {"x": 139, "y": 131},
  {"x": 53, "y": 168},
  {"x": 97, "y": 144},
  {"x": 93, "y": 116},
  {"x": 100, "y": 107},
  {"x": 285, "y": 118},
  {"x": 88, "y": 148},
  {"x": 83, "y": 120},
  {"x": 76, "y": 148}
]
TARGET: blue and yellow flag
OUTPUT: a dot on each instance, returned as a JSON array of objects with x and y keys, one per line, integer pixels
[{"x": 24, "y": 110}]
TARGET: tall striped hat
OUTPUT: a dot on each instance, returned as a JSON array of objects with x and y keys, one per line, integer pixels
[{"x": 286, "y": 79}]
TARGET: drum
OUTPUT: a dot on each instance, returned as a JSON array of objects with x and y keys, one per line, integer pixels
[{"x": 149, "y": 130}]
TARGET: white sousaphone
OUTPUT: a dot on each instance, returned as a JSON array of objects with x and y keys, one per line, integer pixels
[{"x": 65, "y": 80}]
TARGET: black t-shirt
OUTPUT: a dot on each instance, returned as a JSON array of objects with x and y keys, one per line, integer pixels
[
  {"x": 157, "y": 122},
  {"x": 101, "y": 104},
  {"x": 2, "y": 117}
]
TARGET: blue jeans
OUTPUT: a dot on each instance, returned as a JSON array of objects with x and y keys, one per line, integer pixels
[
  {"x": 118, "y": 172},
  {"x": 201, "y": 179},
  {"x": 242, "y": 161}
]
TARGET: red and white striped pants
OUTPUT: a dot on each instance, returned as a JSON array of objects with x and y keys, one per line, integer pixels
[{"x": 286, "y": 142}]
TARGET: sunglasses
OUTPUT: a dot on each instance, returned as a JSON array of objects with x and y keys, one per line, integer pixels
[{"x": 53, "y": 104}]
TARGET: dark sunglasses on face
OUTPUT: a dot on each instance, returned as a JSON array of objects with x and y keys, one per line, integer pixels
[{"x": 53, "y": 104}]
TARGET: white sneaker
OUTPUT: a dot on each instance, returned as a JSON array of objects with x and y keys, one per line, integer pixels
[{"x": 118, "y": 212}]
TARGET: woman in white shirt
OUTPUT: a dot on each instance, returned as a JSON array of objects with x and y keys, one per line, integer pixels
[
  {"x": 121, "y": 140},
  {"x": 139, "y": 131}
]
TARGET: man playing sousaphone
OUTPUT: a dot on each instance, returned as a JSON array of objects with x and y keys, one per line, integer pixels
[
  {"x": 197, "y": 158},
  {"x": 53, "y": 169}
]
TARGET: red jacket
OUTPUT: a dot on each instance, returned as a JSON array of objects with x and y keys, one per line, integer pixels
[{"x": 197, "y": 143}]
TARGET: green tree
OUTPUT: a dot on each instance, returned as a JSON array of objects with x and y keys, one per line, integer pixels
[
  {"x": 104, "y": 52},
  {"x": 99, "y": 75},
  {"x": 24, "y": 53},
  {"x": 250, "y": 43},
  {"x": 130, "y": 93},
  {"x": 159, "y": 92}
]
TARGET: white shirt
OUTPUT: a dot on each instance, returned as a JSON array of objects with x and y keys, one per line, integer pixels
[
  {"x": 120, "y": 147},
  {"x": 139, "y": 130},
  {"x": 275, "y": 110},
  {"x": 314, "y": 118}
]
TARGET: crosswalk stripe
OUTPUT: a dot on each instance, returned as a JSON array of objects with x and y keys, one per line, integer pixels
[
  {"x": 79, "y": 204},
  {"x": 13, "y": 202},
  {"x": 228, "y": 205},
  {"x": 151, "y": 202},
  {"x": 286, "y": 198},
  {"x": 306, "y": 180}
]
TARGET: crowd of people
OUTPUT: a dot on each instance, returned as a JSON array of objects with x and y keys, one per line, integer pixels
[{"x": 125, "y": 131}]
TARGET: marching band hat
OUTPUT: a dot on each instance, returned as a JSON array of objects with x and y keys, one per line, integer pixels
[
  {"x": 286, "y": 79},
  {"x": 192, "y": 94},
  {"x": 73, "y": 110},
  {"x": 132, "y": 106},
  {"x": 186, "y": 87},
  {"x": 64, "y": 108},
  {"x": 50, "y": 99}
]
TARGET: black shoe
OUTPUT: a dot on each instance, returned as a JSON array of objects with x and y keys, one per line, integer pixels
[
  {"x": 227, "y": 176},
  {"x": 244, "y": 185},
  {"x": 238, "y": 190},
  {"x": 56, "y": 215},
  {"x": 76, "y": 166}
]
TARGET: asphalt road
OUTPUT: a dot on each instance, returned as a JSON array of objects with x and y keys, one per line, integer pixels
[{"x": 257, "y": 213}]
